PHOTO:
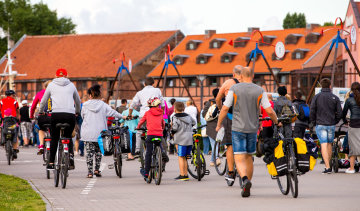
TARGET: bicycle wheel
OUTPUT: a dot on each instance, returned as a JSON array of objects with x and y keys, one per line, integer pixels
[
  {"x": 292, "y": 172},
  {"x": 157, "y": 168},
  {"x": 64, "y": 169},
  {"x": 221, "y": 151},
  {"x": 335, "y": 158},
  {"x": 57, "y": 168},
  {"x": 9, "y": 151},
  {"x": 47, "y": 157},
  {"x": 283, "y": 183},
  {"x": 142, "y": 154},
  {"x": 118, "y": 165},
  {"x": 198, "y": 162},
  {"x": 191, "y": 160}
]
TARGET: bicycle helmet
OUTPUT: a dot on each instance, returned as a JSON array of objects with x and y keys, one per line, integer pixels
[
  {"x": 9, "y": 92},
  {"x": 153, "y": 102}
]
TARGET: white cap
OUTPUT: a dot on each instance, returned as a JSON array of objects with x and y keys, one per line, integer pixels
[{"x": 24, "y": 102}]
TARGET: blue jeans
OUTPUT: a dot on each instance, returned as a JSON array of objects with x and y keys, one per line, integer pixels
[
  {"x": 244, "y": 143},
  {"x": 212, "y": 142},
  {"x": 206, "y": 143},
  {"x": 325, "y": 134}
]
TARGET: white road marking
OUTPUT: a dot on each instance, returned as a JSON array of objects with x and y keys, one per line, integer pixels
[{"x": 92, "y": 181}]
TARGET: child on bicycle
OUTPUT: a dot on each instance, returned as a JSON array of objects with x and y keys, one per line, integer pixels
[
  {"x": 94, "y": 114},
  {"x": 182, "y": 124},
  {"x": 155, "y": 125}
]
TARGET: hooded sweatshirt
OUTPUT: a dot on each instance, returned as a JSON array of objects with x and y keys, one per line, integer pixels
[
  {"x": 155, "y": 123},
  {"x": 94, "y": 113},
  {"x": 64, "y": 97},
  {"x": 182, "y": 124}
]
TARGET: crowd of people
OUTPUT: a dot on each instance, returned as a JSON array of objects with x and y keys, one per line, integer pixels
[{"x": 236, "y": 107}]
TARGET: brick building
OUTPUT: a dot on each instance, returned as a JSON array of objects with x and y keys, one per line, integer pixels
[{"x": 88, "y": 59}]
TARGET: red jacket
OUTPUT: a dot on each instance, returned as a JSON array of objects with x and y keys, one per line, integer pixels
[
  {"x": 267, "y": 123},
  {"x": 11, "y": 103},
  {"x": 155, "y": 123}
]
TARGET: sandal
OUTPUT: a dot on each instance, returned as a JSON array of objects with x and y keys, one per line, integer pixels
[
  {"x": 89, "y": 176},
  {"x": 97, "y": 173}
]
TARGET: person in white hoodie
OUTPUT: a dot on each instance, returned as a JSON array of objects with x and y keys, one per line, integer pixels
[
  {"x": 94, "y": 113},
  {"x": 65, "y": 104}
]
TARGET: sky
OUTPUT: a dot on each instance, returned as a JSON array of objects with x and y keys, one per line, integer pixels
[{"x": 190, "y": 16}]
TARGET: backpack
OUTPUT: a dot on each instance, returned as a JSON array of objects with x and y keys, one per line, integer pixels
[
  {"x": 304, "y": 112},
  {"x": 286, "y": 110},
  {"x": 209, "y": 114}
]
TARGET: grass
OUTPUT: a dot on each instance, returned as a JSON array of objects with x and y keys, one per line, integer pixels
[{"x": 17, "y": 194}]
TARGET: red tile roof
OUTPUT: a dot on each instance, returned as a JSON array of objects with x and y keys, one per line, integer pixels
[
  {"x": 88, "y": 55},
  {"x": 215, "y": 67}
]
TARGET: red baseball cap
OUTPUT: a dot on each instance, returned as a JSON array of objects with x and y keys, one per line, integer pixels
[{"x": 61, "y": 72}]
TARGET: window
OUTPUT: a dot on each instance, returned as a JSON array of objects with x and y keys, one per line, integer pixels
[
  {"x": 178, "y": 61},
  {"x": 191, "y": 46},
  {"x": 226, "y": 59},
  {"x": 298, "y": 55},
  {"x": 170, "y": 82},
  {"x": 212, "y": 81},
  {"x": 192, "y": 82},
  {"x": 202, "y": 60},
  {"x": 304, "y": 81},
  {"x": 312, "y": 38},
  {"x": 283, "y": 79},
  {"x": 241, "y": 42},
  {"x": 274, "y": 57},
  {"x": 215, "y": 45}
]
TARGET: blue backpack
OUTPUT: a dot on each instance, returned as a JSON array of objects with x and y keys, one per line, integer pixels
[{"x": 304, "y": 112}]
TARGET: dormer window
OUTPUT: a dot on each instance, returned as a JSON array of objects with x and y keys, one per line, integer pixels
[
  {"x": 203, "y": 58},
  {"x": 299, "y": 53},
  {"x": 292, "y": 38},
  {"x": 267, "y": 39},
  {"x": 312, "y": 37},
  {"x": 241, "y": 42},
  {"x": 193, "y": 44},
  {"x": 180, "y": 59},
  {"x": 228, "y": 57},
  {"x": 274, "y": 57},
  {"x": 248, "y": 56},
  {"x": 217, "y": 42}
]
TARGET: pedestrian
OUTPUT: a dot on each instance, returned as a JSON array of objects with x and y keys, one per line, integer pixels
[
  {"x": 131, "y": 124},
  {"x": 245, "y": 99},
  {"x": 25, "y": 123},
  {"x": 325, "y": 113},
  {"x": 205, "y": 137},
  {"x": 353, "y": 104},
  {"x": 122, "y": 107},
  {"x": 302, "y": 121},
  {"x": 94, "y": 113},
  {"x": 182, "y": 124},
  {"x": 170, "y": 112},
  {"x": 283, "y": 106},
  {"x": 267, "y": 130},
  {"x": 191, "y": 110}
]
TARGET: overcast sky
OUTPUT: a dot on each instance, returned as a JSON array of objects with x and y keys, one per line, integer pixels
[{"x": 190, "y": 16}]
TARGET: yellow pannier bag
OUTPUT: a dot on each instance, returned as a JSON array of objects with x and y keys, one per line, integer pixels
[
  {"x": 302, "y": 157},
  {"x": 301, "y": 146},
  {"x": 312, "y": 163},
  {"x": 279, "y": 166}
]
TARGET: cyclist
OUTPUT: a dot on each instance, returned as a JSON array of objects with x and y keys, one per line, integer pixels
[
  {"x": 283, "y": 106},
  {"x": 155, "y": 125},
  {"x": 228, "y": 120},
  {"x": 182, "y": 124},
  {"x": 64, "y": 96},
  {"x": 10, "y": 103},
  {"x": 42, "y": 119},
  {"x": 141, "y": 98},
  {"x": 246, "y": 99},
  {"x": 94, "y": 113}
]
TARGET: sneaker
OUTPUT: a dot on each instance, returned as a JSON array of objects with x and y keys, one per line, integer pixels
[
  {"x": 230, "y": 177},
  {"x": 348, "y": 171},
  {"x": 165, "y": 157},
  {"x": 142, "y": 172},
  {"x": 40, "y": 152},
  {"x": 212, "y": 164},
  {"x": 50, "y": 167},
  {"x": 327, "y": 171},
  {"x": 178, "y": 177},
  {"x": 322, "y": 162},
  {"x": 218, "y": 161},
  {"x": 245, "y": 192},
  {"x": 72, "y": 163},
  {"x": 14, "y": 156},
  {"x": 182, "y": 178}
]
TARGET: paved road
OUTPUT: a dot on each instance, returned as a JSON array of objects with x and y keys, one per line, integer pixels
[{"x": 317, "y": 192}]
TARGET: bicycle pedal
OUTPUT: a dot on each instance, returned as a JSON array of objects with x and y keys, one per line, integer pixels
[
  {"x": 207, "y": 172},
  {"x": 111, "y": 166}
]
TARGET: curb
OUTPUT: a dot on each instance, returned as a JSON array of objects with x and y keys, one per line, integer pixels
[{"x": 47, "y": 202}]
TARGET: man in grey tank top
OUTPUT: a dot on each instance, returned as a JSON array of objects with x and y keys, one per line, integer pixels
[{"x": 246, "y": 99}]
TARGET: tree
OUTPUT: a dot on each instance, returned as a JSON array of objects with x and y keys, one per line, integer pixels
[
  {"x": 294, "y": 21},
  {"x": 19, "y": 17}
]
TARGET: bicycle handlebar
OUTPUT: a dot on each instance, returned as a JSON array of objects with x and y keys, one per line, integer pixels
[
  {"x": 201, "y": 126},
  {"x": 280, "y": 119}
]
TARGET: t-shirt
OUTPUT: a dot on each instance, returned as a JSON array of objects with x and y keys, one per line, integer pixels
[
  {"x": 246, "y": 99},
  {"x": 267, "y": 123},
  {"x": 11, "y": 103},
  {"x": 192, "y": 111},
  {"x": 24, "y": 114}
]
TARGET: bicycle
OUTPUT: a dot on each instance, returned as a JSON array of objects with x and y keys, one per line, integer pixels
[
  {"x": 9, "y": 132},
  {"x": 197, "y": 165},
  {"x": 62, "y": 159},
  {"x": 156, "y": 167},
  {"x": 291, "y": 181},
  {"x": 46, "y": 154},
  {"x": 220, "y": 150}
]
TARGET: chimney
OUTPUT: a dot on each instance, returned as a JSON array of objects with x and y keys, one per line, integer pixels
[
  {"x": 209, "y": 33},
  {"x": 251, "y": 29},
  {"x": 311, "y": 26}
]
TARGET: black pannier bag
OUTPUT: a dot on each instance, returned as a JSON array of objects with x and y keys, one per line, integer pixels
[
  {"x": 108, "y": 143},
  {"x": 125, "y": 140}
]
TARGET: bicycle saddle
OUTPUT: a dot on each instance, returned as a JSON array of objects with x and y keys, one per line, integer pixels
[{"x": 62, "y": 125}]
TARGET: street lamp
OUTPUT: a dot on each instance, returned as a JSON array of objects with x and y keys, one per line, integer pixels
[
  {"x": 201, "y": 78},
  {"x": 276, "y": 72}
]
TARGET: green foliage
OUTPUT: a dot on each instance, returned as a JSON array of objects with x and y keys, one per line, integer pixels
[
  {"x": 20, "y": 17},
  {"x": 296, "y": 20},
  {"x": 17, "y": 194},
  {"x": 328, "y": 24}
]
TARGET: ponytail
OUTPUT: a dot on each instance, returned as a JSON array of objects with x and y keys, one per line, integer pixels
[{"x": 355, "y": 88}]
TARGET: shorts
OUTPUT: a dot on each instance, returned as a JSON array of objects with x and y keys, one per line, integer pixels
[
  {"x": 325, "y": 134},
  {"x": 26, "y": 129},
  {"x": 244, "y": 143},
  {"x": 227, "y": 124},
  {"x": 42, "y": 120},
  {"x": 184, "y": 151}
]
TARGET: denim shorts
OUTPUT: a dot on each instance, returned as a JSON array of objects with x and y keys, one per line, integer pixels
[
  {"x": 325, "y": 134},
  {"x": 244, "y": 143},
  {"x": 183, "y": 151}
]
